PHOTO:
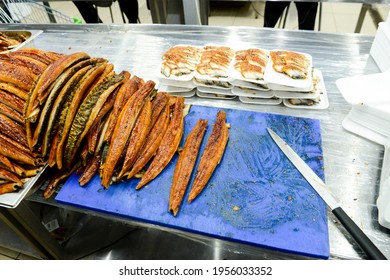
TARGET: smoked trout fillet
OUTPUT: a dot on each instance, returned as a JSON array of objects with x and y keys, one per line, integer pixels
[
  {"x": 185, "y": 165},
  {"x": 168, "y": 145},
  {"x": 212, "y": 155}
]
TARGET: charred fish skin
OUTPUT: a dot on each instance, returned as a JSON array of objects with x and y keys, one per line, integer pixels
[
  {"x": 212, "y": 155},
  {"x": 152, "y": 142},
  {"x": 137, "y": 138},
  {"x": 185, "y": 165},
  {"x": 122, "y": 130},
  {"x": 168, "y": 145},
  {"x": 126, "y": 91}
]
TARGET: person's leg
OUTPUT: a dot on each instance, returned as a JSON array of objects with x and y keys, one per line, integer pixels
[
  {"x": 273, "y": 11},
  {"x": 130, "y": 8},
  {"x": 87, "y": 11},
  {"x": 307, "y": 12}
]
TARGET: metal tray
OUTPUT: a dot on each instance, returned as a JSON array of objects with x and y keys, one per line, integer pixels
[
  {"x": 12, "y": 200},
  {"x": 26, "y": 35}
]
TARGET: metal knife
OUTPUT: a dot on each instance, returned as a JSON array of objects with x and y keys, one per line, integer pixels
[{"x": 319, "y": 186}]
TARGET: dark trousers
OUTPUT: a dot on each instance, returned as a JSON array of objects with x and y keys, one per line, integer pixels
[
  {"x": 307, "y": 12},
  {"x": 87, "y": 11},
  {"x": 130, "y": 9},
  {"x": 90, "y": 15}
]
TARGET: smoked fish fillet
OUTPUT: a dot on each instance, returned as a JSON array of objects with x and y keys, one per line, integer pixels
[
  {"x": 212, "y": 155},
  {"x": 152, "y": 142},
  {"x": 185, "y": 165},
  {"x": 124, "y": 126},
  {"x": 168, "y": 145}
]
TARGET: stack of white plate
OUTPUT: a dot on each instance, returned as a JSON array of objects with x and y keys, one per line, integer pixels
[
  {"x": 370, "y": 118},
  {"x": 275, "y": 88},
  {"x": 370, "y": 100},
  {"x": 380, "y": 49},
  {"x": 177, "y": 85}
]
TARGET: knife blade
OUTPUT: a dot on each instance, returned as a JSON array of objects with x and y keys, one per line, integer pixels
[{"x": 318, "y": 185}]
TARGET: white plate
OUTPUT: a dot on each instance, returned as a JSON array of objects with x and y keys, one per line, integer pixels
[
  {"x": 211, "y": 90},
  {"x": 260, "y": 101},
  {"x": 249, "y": 85},
  {"x": 214, "y": 96},
  {"x": 213, "y": 83},
  {"x": 290, "y": 89},
  {"x": 247, "y": 92},
  {"x": 183, "y": 84},
  {"x": 321, "y": 93},
  {"x": 173, "y": 89},
  {"x": 273, "y": 77},
  {"x": 359, "y": 129},
  {"x": 372, "y": 89},
  {"x": 314, "y": 93},
  {"x": 186, "y": 94}
]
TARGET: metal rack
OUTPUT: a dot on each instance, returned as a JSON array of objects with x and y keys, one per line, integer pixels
[{"x": 27, "y": 11}]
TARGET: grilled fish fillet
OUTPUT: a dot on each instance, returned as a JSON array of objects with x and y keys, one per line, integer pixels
[
  {"x": 185, "y": 165},
  {"x": 212, "y": 155},
  {"x": 168, "y": 145}
]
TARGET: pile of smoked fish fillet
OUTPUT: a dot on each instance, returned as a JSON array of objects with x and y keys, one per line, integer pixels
[{"x": 76, "y": 114}]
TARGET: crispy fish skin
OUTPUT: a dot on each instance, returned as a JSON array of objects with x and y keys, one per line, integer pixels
[
  {"x": 9, "y": 176},
  {"x": 6, "y": 163},
  {"x": 86, "y": 115},
  {"x": 137, "y": 137},
  {"x": 54, "y": 91},
  {"x": 168, "y": 145},
  {"x": 56, "y": 179},
  {"x": 152, "y": 142},
  {"x": 128, "y": 88},
  {"x": 158, "y": 105},
  {"x": 122, "y": 130},
  {"x": 55, "y": 121},
  {"x": 40, "y": 55},
  {"x": 9, "y": 187},
  {"x": 12, "y": 101},
  {"x": 212, "y": 155},
  {"x": 185, "y": 165},
  {"x": 11, "y": 113},
  {"x": 11, "y": 152},
  {"x": 12, "y": 129},
  {"x": 21, "y": 63},
  {"x": 34, "y": 65},
  {"x": 17, "y": 76},
  {"x": 18, "y": 145},
  {"x": 90, "y": 170},
  {"x": 11, "y": 88},
  {"x": 39, "y": 93}
]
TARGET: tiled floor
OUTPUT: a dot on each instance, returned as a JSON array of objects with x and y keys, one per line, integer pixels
[
  {"x": 336, "y": 17},
  {"x": 7, "y": 254}
]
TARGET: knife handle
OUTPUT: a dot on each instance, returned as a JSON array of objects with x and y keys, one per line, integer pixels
[{"x": 364, "y": 242}]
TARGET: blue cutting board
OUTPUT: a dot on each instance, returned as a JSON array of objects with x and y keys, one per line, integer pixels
[{"x": 255, "y": 195}]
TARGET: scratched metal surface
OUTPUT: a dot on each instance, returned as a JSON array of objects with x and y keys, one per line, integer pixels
[{"x": 352, "y": 164}]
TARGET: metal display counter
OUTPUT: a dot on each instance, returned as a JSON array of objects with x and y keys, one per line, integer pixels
[{"x": 352, "y": 163}]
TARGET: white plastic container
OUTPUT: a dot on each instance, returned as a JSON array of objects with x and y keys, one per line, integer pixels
[
  {"x": 381, "y": 46},
  {"x": 383, "y": 201}
]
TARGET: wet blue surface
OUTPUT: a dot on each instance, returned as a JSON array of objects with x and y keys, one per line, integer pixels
[{"x": 255, "y": 195}]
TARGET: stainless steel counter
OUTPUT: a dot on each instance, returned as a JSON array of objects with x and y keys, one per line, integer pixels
[{"x": 352, "y": 163}]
